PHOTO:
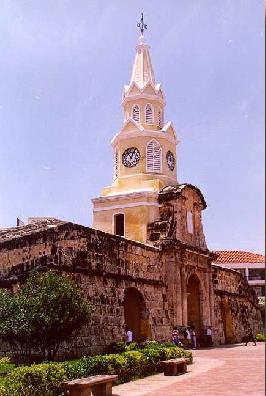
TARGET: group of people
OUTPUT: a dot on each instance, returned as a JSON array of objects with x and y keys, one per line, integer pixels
[{"x": 187, "y": 338}]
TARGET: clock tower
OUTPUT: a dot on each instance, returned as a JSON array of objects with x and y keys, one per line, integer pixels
[{"x": 144, "y": 155}]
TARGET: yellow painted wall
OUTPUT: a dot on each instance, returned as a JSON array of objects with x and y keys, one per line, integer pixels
[
  {"x": 137, "y": 177},
  {"x": 136, "y": 220}
]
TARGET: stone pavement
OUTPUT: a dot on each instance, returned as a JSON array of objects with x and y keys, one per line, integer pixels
[{"x": 234, "y": 370}]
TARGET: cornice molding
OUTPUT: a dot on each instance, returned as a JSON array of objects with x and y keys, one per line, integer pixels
[{"x": 147, "y": 133}]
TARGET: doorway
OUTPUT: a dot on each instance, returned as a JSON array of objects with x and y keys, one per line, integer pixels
[
  {"x": 227, "y": 321},
  {"x": 136, "y": 315},
  {"x": 193, "y": 304}
]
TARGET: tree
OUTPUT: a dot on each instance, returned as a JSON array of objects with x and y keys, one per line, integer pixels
[
  {"x": 15, "y": 326},
  {"x": 48, "y": 310}
]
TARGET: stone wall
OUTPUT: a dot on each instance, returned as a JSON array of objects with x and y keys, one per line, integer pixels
[
  {"x": 235, "y": 306},
  {"x": 104, "y": 266},
  {"x": 107, "y": 267},
  {"x": 182, "y": 265},
  {"x": 176, "y": 203}
]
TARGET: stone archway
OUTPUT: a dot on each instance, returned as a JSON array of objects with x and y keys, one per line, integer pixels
[
  {"x": 227, "y": 321},
  {"x": 193, "y": 304},
  {"x": 136, "y": 315}
]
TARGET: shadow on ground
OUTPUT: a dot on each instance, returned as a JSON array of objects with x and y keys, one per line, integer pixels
[{"x": 220, "y": 347}]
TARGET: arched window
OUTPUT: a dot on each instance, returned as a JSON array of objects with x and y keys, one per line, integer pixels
[
  {"x": 135, "y": 113},
  {"x": 148, "y": 114},
  {"x": 153, "y": 157},
  {"x": 115, "y": 164}
]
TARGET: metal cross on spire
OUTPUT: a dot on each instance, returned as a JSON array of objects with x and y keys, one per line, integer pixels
[{"x": 142, "y": 25}]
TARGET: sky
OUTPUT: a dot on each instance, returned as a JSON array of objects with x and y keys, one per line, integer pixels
[{"x": 63, "y": 64}]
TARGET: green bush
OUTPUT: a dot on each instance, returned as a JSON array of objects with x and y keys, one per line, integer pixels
[
  {"x": 117, "y": 347},
  {"x": 132, "y": 346},
  {"x": 76, "y": 368},
  {"x": 152, "y": 345},
  {"x": 46, "y": 379},
  {"x": 153, "y": 357},
  {"x": 108, "y": 364},
  {"x": 37, "y": 380},
  {"x": 5, "y": 366},
  {"x": 120, "y": 347},
  {"x": 93, "y": 365},
  {"x": 136, "y": 365},
  {"x": 260, "y": 337}
]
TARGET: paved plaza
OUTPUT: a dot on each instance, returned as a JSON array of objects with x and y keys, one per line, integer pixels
[{"x": 235, "y": 370}]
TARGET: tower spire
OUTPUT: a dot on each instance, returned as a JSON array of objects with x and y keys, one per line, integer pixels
[{"x": 142, "y": 72}]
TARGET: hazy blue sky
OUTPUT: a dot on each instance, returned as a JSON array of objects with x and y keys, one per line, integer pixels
[{"x": 63, "y": 64}]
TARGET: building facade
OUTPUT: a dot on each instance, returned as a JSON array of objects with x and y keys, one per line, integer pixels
[
  {"x": 250, "y": 265},
  {"x": 145, "y": 263}
]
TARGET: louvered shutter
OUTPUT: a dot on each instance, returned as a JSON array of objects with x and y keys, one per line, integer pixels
[
  {"x": 135, "y": 113},
  {"x": 148, "y": 114},
  {"x": 154, "y": 157}
]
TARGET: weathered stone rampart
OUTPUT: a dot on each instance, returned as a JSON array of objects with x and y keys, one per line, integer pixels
[
  {"x": 170, "y": 280},
  {"x": 104, "y": 265},
  {"x": 236, "y": 306}
]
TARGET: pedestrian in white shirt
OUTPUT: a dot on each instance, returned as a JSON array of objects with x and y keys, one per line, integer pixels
[
  {"x": 128, "y": 335},
  {"x": 193, "y": 337},
  {"x": 189, "y": 342},
  {"x": 209, "y": 336}
]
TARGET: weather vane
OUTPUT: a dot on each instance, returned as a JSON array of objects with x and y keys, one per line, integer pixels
[{"x": 142, "y": 25}]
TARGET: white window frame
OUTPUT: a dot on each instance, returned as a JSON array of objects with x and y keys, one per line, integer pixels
[
  {"x": 151, "y": 121},
  {"x": 132, "y": 112},
  {"x": 153, "y": 164}
]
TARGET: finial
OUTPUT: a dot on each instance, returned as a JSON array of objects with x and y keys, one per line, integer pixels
[{"x": 142, "y": 25}]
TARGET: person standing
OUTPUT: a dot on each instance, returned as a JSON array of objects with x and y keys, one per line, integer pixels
[
  {"x": 189, "y": 341},
  {"x": 185, "y": 340},
  {"x": 128, "y": 335},
  {"x": 175, "y": 336},
  {"x": 188, "y": 337},
  {"x": 193, "y": 338},
  {"x": 250, "y": 338},
  {"x": 209, "y": 336}
]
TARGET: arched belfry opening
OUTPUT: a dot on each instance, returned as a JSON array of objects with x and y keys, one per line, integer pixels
[
  {"x": 136, "y": 314},
  {"x": 193, "y": 303}
]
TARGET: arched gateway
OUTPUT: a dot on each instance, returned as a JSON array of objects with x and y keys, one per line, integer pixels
[
  {"x": 136, "y": 315},
  {"x": 193, "y": 304},
  {"x": 227, "y": 321}
]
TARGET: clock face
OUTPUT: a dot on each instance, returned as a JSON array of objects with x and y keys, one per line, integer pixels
[
  {"x": 170, "y": 160},
  {"x": 131, "y": 157}
]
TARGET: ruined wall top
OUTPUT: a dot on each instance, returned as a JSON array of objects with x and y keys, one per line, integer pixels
[
  {"x": 72, "y": 245},
  {"x": 180, "y": 216},
  {"x": 9, "y": 234}
]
